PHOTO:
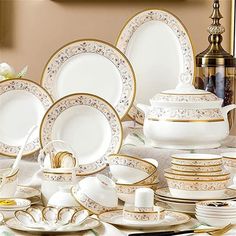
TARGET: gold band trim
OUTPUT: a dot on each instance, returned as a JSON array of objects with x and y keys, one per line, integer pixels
[
  {"x": 172, "y": 120},
  {"x": 195, "y": 159},
  {"x": 196, "y": 165},
  {"x": 188, "y": 180}
]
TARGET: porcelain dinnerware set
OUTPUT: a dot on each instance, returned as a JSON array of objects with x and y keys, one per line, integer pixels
[{"x": 87, "y": 88}]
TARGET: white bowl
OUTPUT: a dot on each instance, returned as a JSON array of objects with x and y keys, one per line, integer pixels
[
  {"x": 204, "y": 189},
  {"x": 96, "y": 194},
  {"x": 196, "y": 159},
  {"x": 216, "y": 222},
  {"x": 63, "y": 198},
  {"x": 128, "y": 170},
  {"x": 229, "y": 159},
  {"x": 193, "y": 168}
]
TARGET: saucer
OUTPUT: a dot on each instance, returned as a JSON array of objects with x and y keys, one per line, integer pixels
[
  {"x": 171, "y": 219},
  {"x": 27, "y": 192},
  {"x": 90, "y": 223},
  {"x": 165, "y": 193}
]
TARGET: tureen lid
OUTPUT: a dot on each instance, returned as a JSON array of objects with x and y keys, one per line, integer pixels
[{"x": 185, "y": 92}]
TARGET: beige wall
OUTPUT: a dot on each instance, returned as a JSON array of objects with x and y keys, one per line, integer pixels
[{"x": 31, "y": 30}]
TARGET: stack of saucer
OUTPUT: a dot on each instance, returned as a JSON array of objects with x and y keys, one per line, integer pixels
[
  {"x": 198, "y": 176},
  {"x": 131, "y": 173},
  {"x": 216, "y": 213}
]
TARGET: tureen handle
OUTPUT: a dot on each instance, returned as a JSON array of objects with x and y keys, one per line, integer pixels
[{"x": 226, "y": 109}]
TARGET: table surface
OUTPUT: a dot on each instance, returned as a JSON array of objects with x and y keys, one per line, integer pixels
[{"x": 135, "y": 145}]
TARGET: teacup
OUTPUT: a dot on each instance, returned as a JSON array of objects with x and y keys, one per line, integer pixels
[{"x": 8, "y": 183}]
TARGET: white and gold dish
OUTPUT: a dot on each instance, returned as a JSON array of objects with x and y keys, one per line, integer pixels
[
  {"x": 8, "y": 183},
  {"x": 63, "y": 198},
  {"x": 165, "y": 193},
  {"x": 129, "y": 170},
  {"x": 229, "y": 162},
  {"x": 148, "y": 40},
  {"x": 8, "y": 206},
  {"x": 27, "y": 192},
  {"x": 126, "y": 192},
  {"x": 144, "y": 198},
  {"x": 183, "y": 118},
  {"x": 133, "y": 214},
  {"x": 51, "y": 220},
  {"x": 200, "y": 189},
  {"x": 91, "y": 66},
  {"x": 96, "y": 194},
  {"x": 194, "y": 168},
  {"x": 196, "y": 175},
  {"x": 171, "y": 219},
  {"x": 196, "y": 159},
  {"x": 27, "y": 101},
  {"x": 89, "y": 124},
  {"x": 216, "y": 221},
  {"x": 215, "y": 205}
]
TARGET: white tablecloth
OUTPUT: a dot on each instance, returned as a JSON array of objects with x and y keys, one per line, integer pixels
[{"x": 135, "y": 145}]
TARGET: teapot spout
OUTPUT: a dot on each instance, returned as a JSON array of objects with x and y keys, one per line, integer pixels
[
  {"x": 143, "y": 107},
  {"x": 226, "y": 109}
]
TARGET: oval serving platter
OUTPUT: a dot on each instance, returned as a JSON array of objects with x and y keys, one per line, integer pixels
[{"x": 159, "y": 49}]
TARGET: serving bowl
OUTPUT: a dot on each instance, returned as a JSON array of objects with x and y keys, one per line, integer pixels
[
  {"x": 96, "y": 194},
  {"x": 8, "y": 183},
  {"x": 135, "y": 214},
  {"x": 193, "y": 168},
  {"x": 186, "y": 118},
  {"x": 222, "y": 175},
  {"x": 126, "y": 192},
  {"x": 196, "y": 159},
  {"x": 197, "y": 189},
  {"x": 129, "y": 170}
]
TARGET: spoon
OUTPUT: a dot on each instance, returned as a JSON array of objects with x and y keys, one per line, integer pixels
[{"x": 19, "y": 156}]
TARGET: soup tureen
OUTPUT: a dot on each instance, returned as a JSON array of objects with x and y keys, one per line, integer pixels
[{"x": 186, "y": 118}]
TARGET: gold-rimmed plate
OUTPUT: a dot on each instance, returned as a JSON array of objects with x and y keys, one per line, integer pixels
[
  {"x": 89, "y": 124},
  {"x": 171, "y": 219},
  {"x": 159, "y": 49},
  {"x": 23, "y": 104},
  {"x": 91, "y": 66}
]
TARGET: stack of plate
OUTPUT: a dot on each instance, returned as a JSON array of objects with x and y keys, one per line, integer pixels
[
  {"x": 216, "y": 213},
  {"x": 187, "y": 205},
  {"x": 198, "y": 176}
]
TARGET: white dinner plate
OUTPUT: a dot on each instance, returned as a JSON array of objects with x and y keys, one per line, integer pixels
[
  {"x": 23, "y": 104},
  {"x": 171, "y": 218},
  {"x": 159, "y": 49},
  {"x": 89, "y": 124},
  {"x": 229, "y": 194},
  {"x": 91, "y": 66},
  {"x": 90, "y": 223}
]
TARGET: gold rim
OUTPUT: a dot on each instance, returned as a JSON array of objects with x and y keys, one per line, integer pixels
[
  {"x": 187, "y": 180},
  {"x": 137, "y": 185},
  {"x": 209, "y": 166},
  {"x": 105, "y": 43},
  {"x": 117, "y": 149},
  {"x": 230, "y": 158},
  {"x": 186, "y": 159},
  {"x": 112, "y": 156},
  {"x": 190, "y": 171},
  {"x": 50, "y": 98},
  {"x": 180, "y": 121},
  {"x": 91, "y": 173},
  {"x": 181, "y": 23},
  {"x": 196, "y": 174}
]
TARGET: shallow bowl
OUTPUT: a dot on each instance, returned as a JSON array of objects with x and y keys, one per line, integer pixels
[
  {"x": 128, "y": 170},
  {"x": 193, "y": 168}
]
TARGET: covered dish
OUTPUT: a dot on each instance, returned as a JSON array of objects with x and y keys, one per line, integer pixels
[{"x": 186, "y": 118}]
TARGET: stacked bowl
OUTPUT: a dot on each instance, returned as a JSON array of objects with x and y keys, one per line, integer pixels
[
  {"x": 216, "y": 213},
  {"x": 197, "y": 176},
  {"x": 131, "y": 173}
]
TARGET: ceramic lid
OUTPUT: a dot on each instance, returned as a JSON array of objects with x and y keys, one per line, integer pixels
[{"x": 185, "y": 93}]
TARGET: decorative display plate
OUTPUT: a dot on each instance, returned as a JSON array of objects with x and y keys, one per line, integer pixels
[
  {"x": 159, "y": 49},
  {"x": 171, "y": 218},
  {"x": 91, "y": 66},
  {"x": 165, "y": 193},
  {"x": 23, "y": 104},
  {"x": 89, "y": 124},
  {"x": 90, "y": 223}
]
